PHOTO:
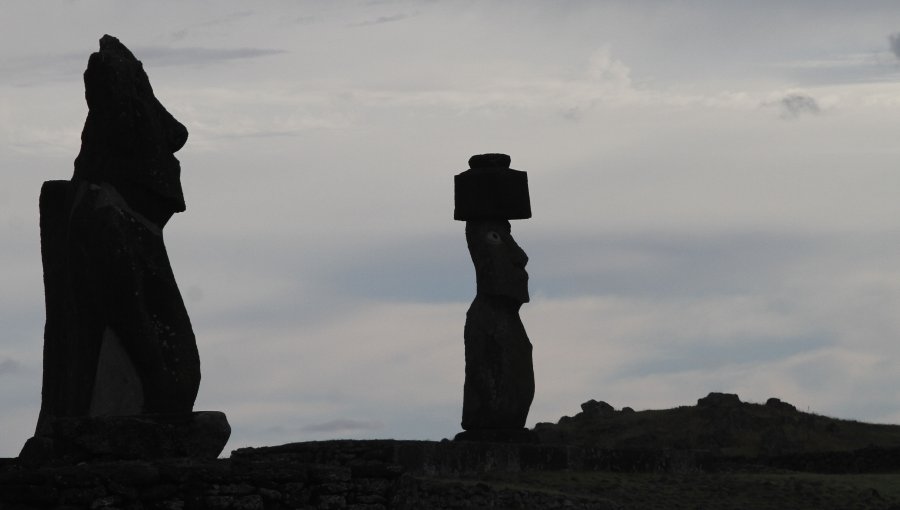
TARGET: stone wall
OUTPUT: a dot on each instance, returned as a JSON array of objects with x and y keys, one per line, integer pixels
[{"x": 358, "y": 475}]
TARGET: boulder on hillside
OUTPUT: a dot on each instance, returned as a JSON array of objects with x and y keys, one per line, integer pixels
[
  {"x": 776, "y": 403},
  {"x": 595, "y": 408},
  {"x": 715, "y": 399}
]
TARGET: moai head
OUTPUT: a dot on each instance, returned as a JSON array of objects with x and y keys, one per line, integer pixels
[
  {"x": 499, "y": 261},
  {"x": 487, "y": 196},
  {"x": 129, "y": 138}
]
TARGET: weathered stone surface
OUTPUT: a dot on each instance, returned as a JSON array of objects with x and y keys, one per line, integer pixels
[
  {"x": 129, "y": 138},
  {"x": 497, "y": 436},
  {"x": 145, "y": 436},
  {"x": 715, "y": 399},
  {"x": 489, "y": 161},
  {"x": 777, "y": 403},
  {"x": 118, "y": 340},
  {"x": 499, "y": 384},
  {"x": 470, "y": 469},
  {"x": 490, "y": 190},
  {"x": 595, "y": 408}
]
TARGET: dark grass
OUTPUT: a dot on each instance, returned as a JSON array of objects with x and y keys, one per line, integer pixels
[
  {"x": 737, "y": 490},
  {"x": 742, "y": 429}
]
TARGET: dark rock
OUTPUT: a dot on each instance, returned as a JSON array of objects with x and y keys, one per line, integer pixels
[
  {"x": 594, "y": 408},
  {"x": 37, "y": 450},
  {"x": 33, "y": 494},
  {"x": 719, "y": 400},
  {"x": 498, "y": 436},
  {"x": 146, "y": 436},
  {"x": 117, "y": 340},
  {"x": 330, "y": 474},
  {"x": 776, "y": 403},
  {"x": 489, "y": 161},
  {"x": 774, "y": 441},
  {"x": 490, "y": 190}
]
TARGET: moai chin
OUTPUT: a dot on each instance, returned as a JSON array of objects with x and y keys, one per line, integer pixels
[
  {"x": 499, "y": 385},
  {"x": 120, "y": 356}
]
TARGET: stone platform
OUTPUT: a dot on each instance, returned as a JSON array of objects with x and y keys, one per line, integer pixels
[
  {"x": 200, "y": 434},
  {"x": 368, "y": 475}
]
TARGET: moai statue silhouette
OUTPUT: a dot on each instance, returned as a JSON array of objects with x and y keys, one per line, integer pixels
[
  {"x": 499, "y": 385},
  {"x": 118, "y": 341}
]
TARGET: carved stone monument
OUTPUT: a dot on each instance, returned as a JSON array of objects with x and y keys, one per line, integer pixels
[
  {"x": 499, "y": 385},
  {"x": 121, "y": 367}
]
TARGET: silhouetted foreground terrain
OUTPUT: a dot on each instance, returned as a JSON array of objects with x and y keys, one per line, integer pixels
[
  {"x": 719, "y": 424},
  {"x": 714, "y": 455}
]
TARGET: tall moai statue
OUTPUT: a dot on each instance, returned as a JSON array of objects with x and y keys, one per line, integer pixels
[
  {"x": 120, "y": 357},
  {"x": 499, "y": 385}
]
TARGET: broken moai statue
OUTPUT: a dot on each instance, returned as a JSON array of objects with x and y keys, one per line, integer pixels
[
  {"x": 499, "y": 385},
  {"x": 121, "y": 367}
]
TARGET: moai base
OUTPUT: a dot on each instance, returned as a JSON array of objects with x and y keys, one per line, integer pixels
[
  {"x": 499, "y": 385},
  {"x": 121, "y": 367}
]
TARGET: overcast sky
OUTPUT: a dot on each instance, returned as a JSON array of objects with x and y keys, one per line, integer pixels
[{"x": 714, "y": 185}]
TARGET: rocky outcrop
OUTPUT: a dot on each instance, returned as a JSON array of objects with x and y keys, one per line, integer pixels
[
  {"x": 776, "y": 403},
  {"x": 144, "y": 436},
  {"x": 715, "y": 399},
  {"x": 595, "y": 408}
]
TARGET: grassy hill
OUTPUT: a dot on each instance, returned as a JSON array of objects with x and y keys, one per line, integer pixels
[{"x": 719, "y": 423}]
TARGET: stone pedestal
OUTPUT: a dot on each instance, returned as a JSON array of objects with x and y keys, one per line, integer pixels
[
  {"x": 201, "y": 434},
  {"x": 519, "y": 436}
]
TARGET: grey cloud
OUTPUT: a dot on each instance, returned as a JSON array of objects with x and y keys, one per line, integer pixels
[
  {"x": 180, "y": 34},
  {"x": 795, "y": 105},
  {"x": 10, "y": 366},
  {"x": 66, "y": 66},
  {"x": 303, "y": 302},
  {"x": 343, "y": 425},
  {"x": 894, "y": 40},
  {"x": 436, "y": 268},
  {"x": 262, "y": 133},
  {"x": 382, "y": 20},
  {"x": 710, "y": 355},
  {"x": 28, "y": 71},
  {"x": 574, "y": 114},
  {"x": 162, "y": 57},
  {"x": 653, "y": 265},
  {"x": 430, "y": 268},
  {"x": 845, "y": 68},
  {"x": 227, "y": 18},
  {"x": 305, "y": 20}
]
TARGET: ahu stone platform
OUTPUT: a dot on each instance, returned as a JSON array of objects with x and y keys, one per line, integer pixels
[
  {"x": 367, "y": 475},
  {"x": 359, "y": 475}
]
